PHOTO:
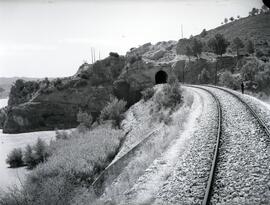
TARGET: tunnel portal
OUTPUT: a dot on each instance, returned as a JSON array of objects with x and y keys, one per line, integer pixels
[{"x": 161, "y": 77}]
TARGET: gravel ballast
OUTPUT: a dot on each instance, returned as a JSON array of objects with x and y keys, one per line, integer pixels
[{"x": 243, "y": 175}]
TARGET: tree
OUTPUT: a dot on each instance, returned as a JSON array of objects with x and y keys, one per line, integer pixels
[
  {"x": 85, "y": 120},
  {"x": 228, "y": 80},
  {"x": 203, "y": 33},
  {"x": 265, "y": 9},
  {"x": 197, "y": 47},
  {"x": 225, "y": 20},
  {"x": 231, "y": 19},
  {"x": 40, "y": 151},
  {"x": 28, "y": 157},
  {"x": 114, "y": 110},
  {"x": 188, "y": 52},
  {"x": 14, "y": 159},
  {"x": 254, "y": 12},
  {"x": 237, "y": 44},
  {"x": 204, "y": 76},
  {"x": 218, "y": 44},
  {"x": 250, "y": 47}
]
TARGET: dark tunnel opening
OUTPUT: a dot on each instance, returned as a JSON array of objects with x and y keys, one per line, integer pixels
[{"x": 161, "y": 77}]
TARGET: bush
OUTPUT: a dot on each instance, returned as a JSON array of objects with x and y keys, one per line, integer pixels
[
  {"x": 228, "y": 80},
  {"x": 114, "y": 110},
  {"x": 41, "y": 151},
  {"x": 22, "y": 91},
  {"x": 203, "y": 33},
  {"x": 85, "y": 120},
  {"x": 112, "y": 54},
  {"x": 61, "y": 135},
  {"x": 249, "y": 70},
  {"x": 28, "y": 157},
  {"x": 170, "y": 97},
  {"x": 262, "y": 78},
  {"x": 14, "y": 159},
  {"x": 204, "y": 76},
  {"x": 172, "y": 79},
  {"x": 148, "y": 93}
]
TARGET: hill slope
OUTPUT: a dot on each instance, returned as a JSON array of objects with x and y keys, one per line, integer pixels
[{"x": 255, "y": 28}]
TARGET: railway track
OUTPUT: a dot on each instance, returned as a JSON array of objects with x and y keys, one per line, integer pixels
[
  {"x": 209, "y": 187},
  {"x": 252, "y": 111},
  {"x": 261, "y": 122},
  {"x": 115, "y": 168}
]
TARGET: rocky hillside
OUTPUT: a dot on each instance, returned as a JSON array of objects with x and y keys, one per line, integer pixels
[
  {"x": 54, "y": 104},
  {"x": 6, "y": 84},
  {"x": 50, "y": 104}
]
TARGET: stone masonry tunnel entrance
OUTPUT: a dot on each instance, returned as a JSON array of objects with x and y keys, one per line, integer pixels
[{"x": 161, "y": 77}]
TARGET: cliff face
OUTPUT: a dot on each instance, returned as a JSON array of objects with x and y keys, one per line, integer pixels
[{"x": 54, "y": 104}]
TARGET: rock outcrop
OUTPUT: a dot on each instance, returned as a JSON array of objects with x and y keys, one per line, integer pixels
[{"x": 55, "y": 104}]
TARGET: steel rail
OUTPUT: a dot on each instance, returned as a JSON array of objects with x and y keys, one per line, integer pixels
[
  {"x": 252, "y": 111},
  {"x": 209, "y": 186}
]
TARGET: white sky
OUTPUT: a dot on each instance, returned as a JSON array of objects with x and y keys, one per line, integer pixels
[{"x": 52, "y": 38}]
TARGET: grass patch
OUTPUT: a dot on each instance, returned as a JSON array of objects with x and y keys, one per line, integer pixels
[{"x": 74, "y": 163}]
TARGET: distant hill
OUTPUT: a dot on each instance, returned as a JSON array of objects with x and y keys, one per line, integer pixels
[
  {"x": 255, "y": 28},
  {"x": 6, "y": 83}
]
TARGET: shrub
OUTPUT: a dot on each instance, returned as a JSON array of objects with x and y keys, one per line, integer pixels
[
  {"x": 112, "y": 54},
  {"x": 80, "y": 83},
  {"x": 61, "y": 135},
  {"x": 262, "y": 78},
  {"x": 28, "y": 157},
  {"x": 148, "y": 93},
  {"x": 85, "y": 120},
  {"x": 204, "y": 76},
  {"x": 249, "y": 70},
  {"x": 259, "y": 53},
  {"x": 14, "y": 159},
  {"x": 170, "y": 97},
  {"x": 203, "y": 33},
  {"x": 228, "y": 80},
  {"x": 172, "y": 79},
  {"x": 22, "y": 91},
  {"x": 114, "y": 110},
  {"x": 41, "y": 151}
]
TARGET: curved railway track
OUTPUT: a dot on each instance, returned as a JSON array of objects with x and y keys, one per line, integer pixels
[
  {"x": 252, "y": 111},
  {"x": 209, "y": 187},
  {"x": 115, "y": 167},
  {"x": 261, "y": 122}
]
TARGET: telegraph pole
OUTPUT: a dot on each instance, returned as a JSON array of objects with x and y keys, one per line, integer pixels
[{"x": 182, "y": 35}]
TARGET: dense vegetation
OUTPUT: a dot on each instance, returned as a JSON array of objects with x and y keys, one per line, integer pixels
[
  {"x": 73, "y": 160},
  {"x": 230, "y": 55},
  {"x": 30, "y": 157}
]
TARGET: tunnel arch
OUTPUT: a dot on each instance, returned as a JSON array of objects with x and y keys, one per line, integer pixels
[{"x": 161, "y": 77}]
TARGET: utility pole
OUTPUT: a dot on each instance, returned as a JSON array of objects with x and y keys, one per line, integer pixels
[
  {"x": 182, "y": 35},
  {"x": 92, "y": 55}
]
